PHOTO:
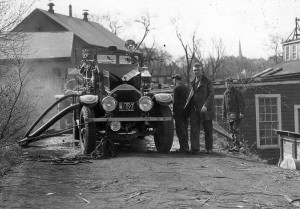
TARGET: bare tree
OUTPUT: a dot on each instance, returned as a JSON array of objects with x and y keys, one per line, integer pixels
[
  {"x": 216, "y": 58},
  {"x": 145, "y": 20},
  {"x": 190, "y": 51},
  {"x": 109, "y": 21},
  {"x": 15, "y": 107},
  {"x": 12, "y": 12},
  {"x": 275, "y": 45},
  {"x": 156, "y": 58}
]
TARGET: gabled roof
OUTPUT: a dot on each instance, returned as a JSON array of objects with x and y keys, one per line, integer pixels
[
  {"x": 41, "y": 45},
  {"x": 91, "y": 32}
]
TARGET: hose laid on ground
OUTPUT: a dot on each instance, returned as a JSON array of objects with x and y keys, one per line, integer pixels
[
  {"x": 27, "y": 140},
  {"x": 47, "y": 125},
  {"x": 46, "y": 111}
]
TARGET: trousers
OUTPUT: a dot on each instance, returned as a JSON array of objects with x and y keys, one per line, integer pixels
[
  {"x": 234, "y": 129},
  {"x": 196, "y": 121},
  {"x": 181, "y": 125}
]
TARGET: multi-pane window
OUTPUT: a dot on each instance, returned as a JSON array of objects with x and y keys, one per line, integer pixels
[
  {"x": 218, "y": 108},
  {"x": 287, "y": 53},
  {"x": 294, "y": 52},
  {"x": 268, "y": 113}
]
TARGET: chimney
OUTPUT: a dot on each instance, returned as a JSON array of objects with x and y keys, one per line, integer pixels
[
  {"x": 51, "y": 7},
  {"x": 85, "y": 14},
  {"x": 70, "y": 10}
]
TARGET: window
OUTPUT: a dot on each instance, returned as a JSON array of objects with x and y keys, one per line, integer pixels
[
  {"x": 287, "y": 53},
  {"x": 268, "y": 118},
  {"x": 218, "y": 108},
  {"x": 294, "y": 52}
]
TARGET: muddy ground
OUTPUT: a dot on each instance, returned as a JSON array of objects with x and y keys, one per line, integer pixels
[{"x": 142, "y": 178}]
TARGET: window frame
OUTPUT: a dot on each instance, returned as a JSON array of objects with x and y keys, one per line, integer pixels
[
  {"x": 296, "y": 119},
  {"x": 278, "y": 98},
  {"x": 294, "y": 51},
  {"x": 218, "y": 97},
  {"x": 287, "y": 53}
]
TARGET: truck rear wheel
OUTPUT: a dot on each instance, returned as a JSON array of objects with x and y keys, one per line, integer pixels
[
  {"x": 87, "y": 131},
  {"x": 163, "y": 138}
]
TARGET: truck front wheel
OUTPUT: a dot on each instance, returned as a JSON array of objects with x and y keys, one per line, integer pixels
[
  {"x": 87, "y": 131},
  {"x": 163, "y": 137}
]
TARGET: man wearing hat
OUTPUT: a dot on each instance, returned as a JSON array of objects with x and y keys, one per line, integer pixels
[
  {"x": 233, "y": 111},
  {"x": 180, "y": 93},
  {"x": 200, "y": 109}
]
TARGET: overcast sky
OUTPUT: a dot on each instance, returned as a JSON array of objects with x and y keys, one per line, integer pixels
[{"x": 250, "y": 21}]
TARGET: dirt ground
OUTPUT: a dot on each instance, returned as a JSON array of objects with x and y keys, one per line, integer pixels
[{"x": 142, "y": 178}]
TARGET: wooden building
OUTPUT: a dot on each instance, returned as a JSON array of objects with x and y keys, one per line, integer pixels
[
  {"x": 272, "y": 101},
  {"x": 54, "y": 44}
]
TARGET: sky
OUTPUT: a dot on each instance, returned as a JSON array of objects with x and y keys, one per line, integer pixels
[{"x": 251, "y": 22}]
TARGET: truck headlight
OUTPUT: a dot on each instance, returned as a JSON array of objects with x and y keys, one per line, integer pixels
[
  {"x": 145, "y": 103},
  {"x": 109, "y": 103}
]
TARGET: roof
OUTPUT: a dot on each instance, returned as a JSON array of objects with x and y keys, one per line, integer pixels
[
  {"x": 285, "y": 71},
  {"x": 288, "y": 67},
  {"x": 53, "y": 48},
  {"x": 91, "y": 32},
  {"x": 43, "y": 45}
]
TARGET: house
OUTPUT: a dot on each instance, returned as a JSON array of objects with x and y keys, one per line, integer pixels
[
  {"x": 272, "y": 100},
  {"x": 54, "y": 45},
  {"x": 291, "y": 46}
]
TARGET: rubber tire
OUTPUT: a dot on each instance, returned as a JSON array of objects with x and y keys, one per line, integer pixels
[
  {"x": 163, "y": 138},
  {"x": 87, "y": 136}
]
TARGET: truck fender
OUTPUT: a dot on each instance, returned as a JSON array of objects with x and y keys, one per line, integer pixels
[
  {"x": 89, "y": 100},
  {"x": 163, "y": 99}
]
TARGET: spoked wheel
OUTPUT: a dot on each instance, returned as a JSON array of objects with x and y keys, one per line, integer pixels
[
  {"x": 163, "y": 138},
  {"x": 87, "y": 131}
]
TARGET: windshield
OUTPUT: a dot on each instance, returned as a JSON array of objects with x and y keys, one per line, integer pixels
[
  {"x": 116, "y": 59},
  {"x": 117, "y": 74}
]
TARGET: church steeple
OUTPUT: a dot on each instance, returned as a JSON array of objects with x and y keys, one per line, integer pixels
[{"x": 240, "y": 49}]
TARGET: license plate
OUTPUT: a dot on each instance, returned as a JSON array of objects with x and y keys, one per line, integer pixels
[{"x": 126, "y": 106}]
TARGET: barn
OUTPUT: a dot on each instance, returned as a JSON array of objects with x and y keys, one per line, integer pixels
[{"x": 54, "y": 44}]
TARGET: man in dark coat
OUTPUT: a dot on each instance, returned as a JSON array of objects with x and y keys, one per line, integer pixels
[
  {"x": 233, "y": 111},
  {"x": 200, "y": 108},
  {"x": 181, "y": 92}
]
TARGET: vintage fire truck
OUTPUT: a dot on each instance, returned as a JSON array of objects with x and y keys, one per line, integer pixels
[{"x": 115, "y": 101}]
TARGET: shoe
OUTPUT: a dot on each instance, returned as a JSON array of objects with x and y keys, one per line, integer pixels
[
  {"x": 195, "y": 152},
  {"x": 183, "y": 151},
  {"x": 208, "y": 151},
  {"x": 234, "y": 149}
]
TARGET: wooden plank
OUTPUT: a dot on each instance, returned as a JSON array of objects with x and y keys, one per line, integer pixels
[{"x": 287, "y": 149}]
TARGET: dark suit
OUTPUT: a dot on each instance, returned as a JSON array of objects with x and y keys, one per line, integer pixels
[
  {"x": 181, "y": 92},
  {"x": 233, "y": 106},
  {"x": 201, "y": 94}
]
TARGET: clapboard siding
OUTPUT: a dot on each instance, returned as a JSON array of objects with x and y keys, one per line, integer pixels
[{"x": 290, "y": 96}]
